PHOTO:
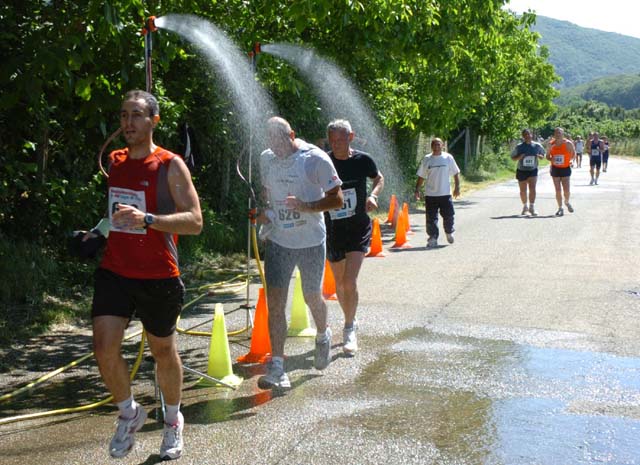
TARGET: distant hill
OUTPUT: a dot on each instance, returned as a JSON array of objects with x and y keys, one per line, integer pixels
[
  {"x": 581, "y": 55},
  {"x": 616, "y": 91}
]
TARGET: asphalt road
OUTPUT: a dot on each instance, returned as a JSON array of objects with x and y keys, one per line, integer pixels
[{"x": 518, "y": 344}]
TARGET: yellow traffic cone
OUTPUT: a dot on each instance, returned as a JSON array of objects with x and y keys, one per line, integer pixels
[
  {"x": 299, "y": 325},
  {"x": 219, "y": 357}
]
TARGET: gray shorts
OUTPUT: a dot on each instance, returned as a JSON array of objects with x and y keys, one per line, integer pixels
[{"x": 279, "y": 263}]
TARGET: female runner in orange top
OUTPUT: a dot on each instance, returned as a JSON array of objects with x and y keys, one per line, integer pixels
[{"x": 561, "y": 153}]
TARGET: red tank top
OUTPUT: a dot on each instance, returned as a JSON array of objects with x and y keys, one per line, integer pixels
[
  {"x": 560, "y": 155},
  {"x": 141, "y": 253}
]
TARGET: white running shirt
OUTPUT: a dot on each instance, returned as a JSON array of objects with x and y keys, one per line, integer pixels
[
  {"x": 307, "y": 174},
  {"x": 436, "y": 170}
]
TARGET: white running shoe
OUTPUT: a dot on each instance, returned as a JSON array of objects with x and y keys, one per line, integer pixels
[
  {"x": 560, "y": 212},
  {"x": 323, "y": 348},
  {"x": 172, "y": 445},
  {"x": 595, "y": 182},
  {"x": 350, "y": 341},
  {"x": 525, "y": 210},
  {"x": 569, "y": 207},
  {"x": 591, "y": 182},
  {"x": 275, "y": 378},
  {"x": 124, "y": 438},
  {"x": 533, "y": 211},
  {"x": 450, "y": 238}
]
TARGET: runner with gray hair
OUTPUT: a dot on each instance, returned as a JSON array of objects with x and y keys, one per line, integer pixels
[
  {"x": 299, "y": 183},
  {"x": 349, "y": 227}
]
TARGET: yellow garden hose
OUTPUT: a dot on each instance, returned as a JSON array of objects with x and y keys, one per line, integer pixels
[
  {"x": 32, "y": 416},
  {"x": 81, "y": 408}
]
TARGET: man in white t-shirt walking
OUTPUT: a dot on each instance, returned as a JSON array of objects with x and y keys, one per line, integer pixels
[
  {"x": 300, "y": 183},
  {"x": 434, "y": 171}
]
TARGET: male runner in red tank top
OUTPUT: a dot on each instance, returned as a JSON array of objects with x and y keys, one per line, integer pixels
[{"x": 151, "y": 199}]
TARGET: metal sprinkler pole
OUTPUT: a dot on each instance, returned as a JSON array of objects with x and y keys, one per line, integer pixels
[
  {"x": 253, "y": 55},
  {"x": 149, "y": 27}
]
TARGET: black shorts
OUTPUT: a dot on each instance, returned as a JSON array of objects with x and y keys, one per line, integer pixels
[
  {"x": 595, "y": 162},
  {"x": 523, "y": 175},
  {"x": 348, "y": 235},
  {"x": 560, "y": 172},
  {"x": 157, "y": 302}
]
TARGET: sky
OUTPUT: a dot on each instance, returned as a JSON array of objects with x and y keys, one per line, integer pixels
[{"x": 621, "y": 16}]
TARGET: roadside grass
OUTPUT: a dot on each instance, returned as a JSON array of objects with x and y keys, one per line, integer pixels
[{"x": 41, "y": 288}]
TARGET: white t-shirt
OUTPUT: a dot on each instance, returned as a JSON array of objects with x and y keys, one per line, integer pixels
[
  {"x": 307, "y": 174},
  {"x": 436, "y": 171}
]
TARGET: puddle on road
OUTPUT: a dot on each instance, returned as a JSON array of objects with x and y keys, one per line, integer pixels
[{"x": 499, "y": 402}]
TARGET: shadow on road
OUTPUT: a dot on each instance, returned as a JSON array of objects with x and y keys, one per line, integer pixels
[{"x": 521, "y": 217}]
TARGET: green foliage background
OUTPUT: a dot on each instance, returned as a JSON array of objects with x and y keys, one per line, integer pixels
[{"x": 424, "y": 66}]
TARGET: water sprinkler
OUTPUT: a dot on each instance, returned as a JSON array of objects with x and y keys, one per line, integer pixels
[{"x": 149, "y": 25}]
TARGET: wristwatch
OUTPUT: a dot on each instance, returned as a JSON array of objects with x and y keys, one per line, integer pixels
[{"x": 148, "y": 220}]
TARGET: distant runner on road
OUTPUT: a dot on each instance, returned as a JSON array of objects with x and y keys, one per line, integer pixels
[
  {"x": 579, "y": 149},
  {"x": 595, "y": 158},
  {"x": 434, "y": 171},
  {"x": 527, "y": 153},
  {"x": 561, "y": 153}
]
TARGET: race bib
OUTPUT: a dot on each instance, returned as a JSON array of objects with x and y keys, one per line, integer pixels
[
  {"x": 287, "y": 218},
  {"x": 529, "y": 162},
  {"x": 558, "y": 160},
  {"x": 595, "y": 152},
  {"x": 349, "y": 203},
  {"x": 136, "y": 199}
]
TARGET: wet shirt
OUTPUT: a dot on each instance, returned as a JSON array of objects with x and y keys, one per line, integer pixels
[
  {"x": 353, "y": 172},
  {"x": 436, "y": 171},
  {"x": 142, "y": 183},
  {"x": 306, "y": 174},
  {"x": 530, "y": 151}
]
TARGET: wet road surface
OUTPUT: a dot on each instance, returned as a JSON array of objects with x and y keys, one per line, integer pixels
[{"x": 516, "y": 345}]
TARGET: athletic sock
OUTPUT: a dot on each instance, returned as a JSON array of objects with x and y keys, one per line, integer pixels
[
  {"x": 320, "y": 337},
  {"x": 171, "y": 414},
  {"x": 127, "y": 408}
]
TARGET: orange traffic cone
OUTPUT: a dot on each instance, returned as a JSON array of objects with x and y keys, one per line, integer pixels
[
  {"x": 405, "y": 214},
  {"x": 328, "y": 283},
  {"x": 376, "y": 241},
  {"x": 401, "y": 235},
  {"x": 392, "y": 209},
  {"x": 260, "y": 349}
]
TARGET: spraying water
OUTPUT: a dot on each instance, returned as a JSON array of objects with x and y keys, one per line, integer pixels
[
  {"x": 341, "y": 99},
  {"x": 252, "y": 103}
]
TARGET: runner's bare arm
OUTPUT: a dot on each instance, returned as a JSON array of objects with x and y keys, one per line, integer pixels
[
  {"x": 332, "y": 199},
  {"x": 187, "y": 219}
]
